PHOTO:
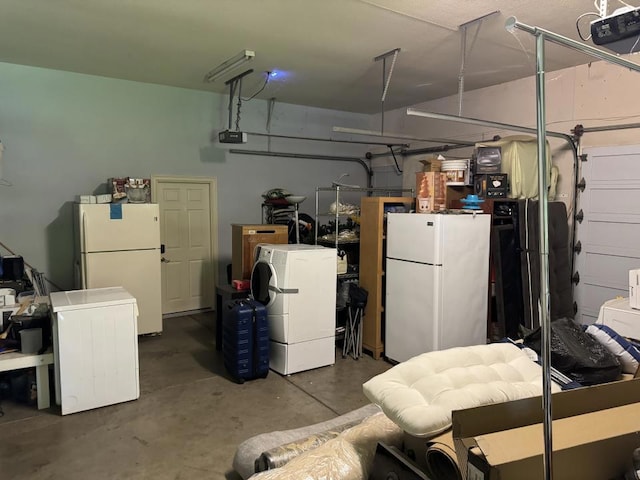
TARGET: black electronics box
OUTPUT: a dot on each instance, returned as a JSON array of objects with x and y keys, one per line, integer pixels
[
  {"x": 491, "y": 185},
  {"x": 12, "y": 267},
  {"x": 488, "y": 160}
]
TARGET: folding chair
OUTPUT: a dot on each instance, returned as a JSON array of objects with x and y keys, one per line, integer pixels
[{"x": 353, "y": 329}]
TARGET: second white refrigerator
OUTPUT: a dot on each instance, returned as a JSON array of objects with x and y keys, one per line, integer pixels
[
  {"x": 119, "y": 245},
  {"x": 437, "y": 273}
]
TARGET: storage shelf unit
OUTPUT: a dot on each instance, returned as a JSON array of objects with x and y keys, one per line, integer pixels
[
  {"x": 337, "y": 193},
  {"x": 372, "y": 257},
  {"x": 277, "y": 214}
]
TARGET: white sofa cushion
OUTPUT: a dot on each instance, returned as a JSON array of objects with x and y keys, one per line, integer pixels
[{"x": 420, "y": 394}]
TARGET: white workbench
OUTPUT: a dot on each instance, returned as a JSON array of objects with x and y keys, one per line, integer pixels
[{"x": 16, "y": 361}]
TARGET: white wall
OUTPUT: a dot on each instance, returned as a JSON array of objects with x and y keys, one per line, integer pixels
[
  {"x": 66, "y": 133},
  {"x": 593, "y": 94}
]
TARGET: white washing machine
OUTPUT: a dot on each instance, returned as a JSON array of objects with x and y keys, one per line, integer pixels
[{"x": 297, "y": 283}]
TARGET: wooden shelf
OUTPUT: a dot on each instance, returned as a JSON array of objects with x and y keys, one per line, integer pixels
[
  {"x": 372, "y": 239},
  {"x": 331, "y": 243}
]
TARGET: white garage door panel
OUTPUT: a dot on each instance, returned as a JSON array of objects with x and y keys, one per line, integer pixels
[
  {"x": 610, "y": 231},
  {"x": 607, "y": 270},
  {"x": 626, "y": 242},
  {"x": 619, "y": 201},
  {"x": 609, "y": 167},
  {"x": 595, "y": 295}
]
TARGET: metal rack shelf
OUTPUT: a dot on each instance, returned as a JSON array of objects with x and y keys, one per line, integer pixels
[{"x": 337, "y": 190}]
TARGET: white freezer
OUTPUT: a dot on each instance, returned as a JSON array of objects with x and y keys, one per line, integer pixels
[
  {"x": 407, "y": 302},
  {"x": 437, "y": 274},
  {"x": 420, "y": 240},
  {"x": 619, "y": 315},
  {"x": 95, "y": 347}
]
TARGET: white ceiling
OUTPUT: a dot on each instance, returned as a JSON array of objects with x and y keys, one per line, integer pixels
[{"x": 324, "y": 48}]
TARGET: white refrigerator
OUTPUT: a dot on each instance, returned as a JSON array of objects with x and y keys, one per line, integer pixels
[
  {"x": 119, "y": 245},
  {"x": 437, "y": 274}
]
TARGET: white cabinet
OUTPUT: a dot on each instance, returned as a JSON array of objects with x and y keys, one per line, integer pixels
[{"x": 95, "y": 346}]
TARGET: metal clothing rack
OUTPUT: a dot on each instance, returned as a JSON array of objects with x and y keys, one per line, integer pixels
[{"x": 543, "y": 36}]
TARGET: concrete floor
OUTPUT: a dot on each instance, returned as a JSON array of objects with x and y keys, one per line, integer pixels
[{"x": 188, "y": 421}]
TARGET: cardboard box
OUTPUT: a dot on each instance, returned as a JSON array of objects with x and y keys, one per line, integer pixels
[
  {"x": 595, "y": 430},
  {"x": 103, "y": 198},
  {"x": 86, "y": 199},
  {"x": 244, "y": 239},
  {"x": 431, "y": 192},
  {"x": 432, "y": 164},
  {"x": 491, "y": 185}
]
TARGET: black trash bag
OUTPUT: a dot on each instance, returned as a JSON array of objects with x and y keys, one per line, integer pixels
[{"x": 577, "y": 354}]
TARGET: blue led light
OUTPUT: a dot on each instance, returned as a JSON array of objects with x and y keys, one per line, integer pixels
[{"x": 273, "y": 74}]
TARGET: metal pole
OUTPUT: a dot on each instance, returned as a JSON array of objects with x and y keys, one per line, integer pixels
[
  {"x": 512, "y": 23},
  {"x": 336, "y": 158},
  {"x": 543, "y": 214},
  {"x": 417, "y": 151},
  {"x": 486, "y": 123},
  {"x": 463, "y": 55},
  {"x": 359, "y": 131},
  {"x": 607, "y": 128},
  {"x": 332, "y": 140},
  {"x": 384, "y": 68}
]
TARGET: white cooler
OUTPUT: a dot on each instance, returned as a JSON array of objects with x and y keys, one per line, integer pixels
[
  {"x": 95, "y": 347},
  {"x": 619, "y": 315}
]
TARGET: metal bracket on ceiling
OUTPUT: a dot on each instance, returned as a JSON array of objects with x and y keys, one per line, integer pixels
[
  {"x": 236, "y": 82},
  {"x": 463, "y": 51},
  {"x": 386, "y": 80},
  {"x": 602, "y": 7}
]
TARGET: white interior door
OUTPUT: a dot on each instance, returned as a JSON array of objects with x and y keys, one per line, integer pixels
[
  {"x": 187, "y": 231},
  {"x": 610, "y": 231}
]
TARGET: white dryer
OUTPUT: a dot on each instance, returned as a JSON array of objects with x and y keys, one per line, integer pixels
[{"x": 297, "y": 283}]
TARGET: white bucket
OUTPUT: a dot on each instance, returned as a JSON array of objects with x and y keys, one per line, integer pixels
[{"x": 456, "y": 171}]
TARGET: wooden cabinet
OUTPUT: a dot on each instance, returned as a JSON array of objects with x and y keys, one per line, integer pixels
[
  {"x": 244, "y": 239},
  {"x": 372, "y": 259}
]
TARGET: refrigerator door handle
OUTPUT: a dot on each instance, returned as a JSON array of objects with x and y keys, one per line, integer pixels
[
  {"x": 84, "y": 273},
  {"x": 83, "y": 255},
  {"x": 84, "y": 233}
]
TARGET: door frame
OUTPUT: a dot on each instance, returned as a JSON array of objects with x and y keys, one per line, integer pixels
[{"x": 156, "y": 180}]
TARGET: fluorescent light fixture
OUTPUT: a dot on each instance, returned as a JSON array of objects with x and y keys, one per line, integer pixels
[{"x": 229, "y": 65}]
